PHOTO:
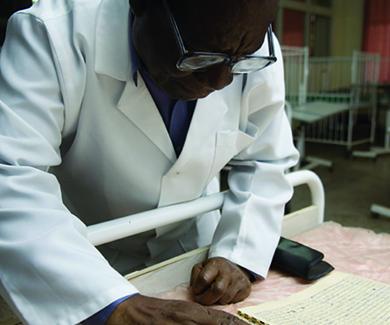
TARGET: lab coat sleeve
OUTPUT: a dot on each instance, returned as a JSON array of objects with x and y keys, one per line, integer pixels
[
  {"x": 252, "y": 213},
  {"x": 49, "y": 272}
]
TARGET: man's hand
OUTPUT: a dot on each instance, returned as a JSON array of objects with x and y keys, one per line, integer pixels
[
  {"x": 219, "y": 281},
  {"x": 142, "y": 310}
]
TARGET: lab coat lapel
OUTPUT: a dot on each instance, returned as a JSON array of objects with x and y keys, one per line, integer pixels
[
  {"x": 207, "y": 117},
  {"x": 144, "y": 114},
  {"x": 113, "y": 58},
  {"x": 179, "y": 183},
  {"x": 196, "y": 158}
]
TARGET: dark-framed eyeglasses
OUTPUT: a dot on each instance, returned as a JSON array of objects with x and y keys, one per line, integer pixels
[{"x": 192, "y": 61}]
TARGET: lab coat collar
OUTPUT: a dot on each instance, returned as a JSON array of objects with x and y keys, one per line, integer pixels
[
  {"x": 145, "y": 115},
  {"x": 112, "y": 51}
]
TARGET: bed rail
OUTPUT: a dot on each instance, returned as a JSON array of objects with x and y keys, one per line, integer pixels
[
  {"x": 130, "y": 225},
  {"x": 149, "y": 281}
]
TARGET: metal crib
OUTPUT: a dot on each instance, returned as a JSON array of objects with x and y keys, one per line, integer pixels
[{"x": 346, "y": 86}]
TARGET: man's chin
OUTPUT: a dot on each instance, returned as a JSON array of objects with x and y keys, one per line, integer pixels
[
  {"x": 186, "y": 95},
  {"x": 184, "y": 89}
]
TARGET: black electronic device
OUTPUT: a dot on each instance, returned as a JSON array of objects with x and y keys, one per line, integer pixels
[{"x": 300, "y": 260}]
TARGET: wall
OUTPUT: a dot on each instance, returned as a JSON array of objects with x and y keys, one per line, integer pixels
[
  {"x": 347, "y": 26},
  {"x": 377, "y": 34}
]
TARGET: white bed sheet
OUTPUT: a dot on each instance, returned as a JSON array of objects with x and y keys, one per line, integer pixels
[{"x": 353, "y": 250}]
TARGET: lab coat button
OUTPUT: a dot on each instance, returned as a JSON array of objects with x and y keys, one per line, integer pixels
[{"x": 177, "y": 173}]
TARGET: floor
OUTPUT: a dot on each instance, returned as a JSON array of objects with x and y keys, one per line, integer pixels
[{"x": 350, "y": 188}]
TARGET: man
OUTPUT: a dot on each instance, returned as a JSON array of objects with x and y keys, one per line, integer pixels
[{"x": 131, "y": 110}]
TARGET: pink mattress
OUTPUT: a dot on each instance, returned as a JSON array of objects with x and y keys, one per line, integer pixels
[{"x": 352, "y": 250}]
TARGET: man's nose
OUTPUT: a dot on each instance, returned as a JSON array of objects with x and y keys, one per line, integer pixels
[{"x": 216, "y": 77}]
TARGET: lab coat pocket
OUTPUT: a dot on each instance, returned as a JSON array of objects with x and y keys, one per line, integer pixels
[{"x": 228, "y": 145}]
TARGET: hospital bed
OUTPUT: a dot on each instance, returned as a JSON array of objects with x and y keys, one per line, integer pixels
[
  {"x": 347, "y": 85},
  {"x": 300, "y": 113},
  {"x": 169, "y": 279},
  {"x": 374, "y": 152},
  {"x": 333, "y": 99}
]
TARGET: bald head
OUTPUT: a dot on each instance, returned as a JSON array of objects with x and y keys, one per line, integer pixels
[
  {"x": 224, "y": 24},
  {"x": 234, "y": 27}
]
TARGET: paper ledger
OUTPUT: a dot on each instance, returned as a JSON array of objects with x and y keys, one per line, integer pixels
[{"x": 339, "y": 298}]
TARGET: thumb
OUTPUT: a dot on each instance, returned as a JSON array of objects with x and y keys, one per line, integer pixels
[{"x": 197, "y": 268}]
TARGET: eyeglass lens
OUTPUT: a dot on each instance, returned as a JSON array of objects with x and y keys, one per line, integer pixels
[{"x": 196, "y": 62}]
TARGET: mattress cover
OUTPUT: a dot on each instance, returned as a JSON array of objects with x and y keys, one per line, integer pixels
[{"x": 354, "y": 250}]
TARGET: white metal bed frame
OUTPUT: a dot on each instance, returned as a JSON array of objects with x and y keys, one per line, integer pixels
[
  {"x": 384, "y": 80},
  {"x": 158, "y": 278},
  {"x": 296, "y": 72},
  {"x": 130, "y": 225},
  {"x": 347, "y": 83},
  {"x": 374, "y": 152},
  {"x": 149, "y": 281}
]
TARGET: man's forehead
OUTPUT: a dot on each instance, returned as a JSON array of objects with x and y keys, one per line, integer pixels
[
  {"x": 223, "y": 25},
  {"x": 223, "y": 11},
  {"x": 218, "y": 5}
]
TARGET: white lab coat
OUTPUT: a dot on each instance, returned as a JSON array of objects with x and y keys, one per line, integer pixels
[{"x": 68, "y": 101}]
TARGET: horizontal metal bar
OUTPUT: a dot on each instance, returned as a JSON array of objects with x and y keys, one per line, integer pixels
[{"x": 137, "y": 223}]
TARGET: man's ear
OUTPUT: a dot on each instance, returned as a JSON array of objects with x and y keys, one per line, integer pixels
[{"x": 138, "y": 7}]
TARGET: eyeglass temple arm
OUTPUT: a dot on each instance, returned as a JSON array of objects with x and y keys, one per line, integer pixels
[
  {"x": 179, "y": 39},
  {"x": 270, "y": 40}
]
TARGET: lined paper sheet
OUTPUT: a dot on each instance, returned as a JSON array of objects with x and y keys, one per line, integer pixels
[{"x": 337, "y": 299}]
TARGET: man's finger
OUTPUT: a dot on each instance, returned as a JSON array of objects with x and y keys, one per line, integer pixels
[
  {"x": 241, "y": 295},
  {"x": 185, "y": 318},
  {"x": 197, "y": 268},
  {"x": 199, "y": 315},
  {"x": 217, "y": 290},
  {"x": 205, "y": 278},
  {"x": 225, "y": 318},
  {"x": 229, "y": 294}
]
